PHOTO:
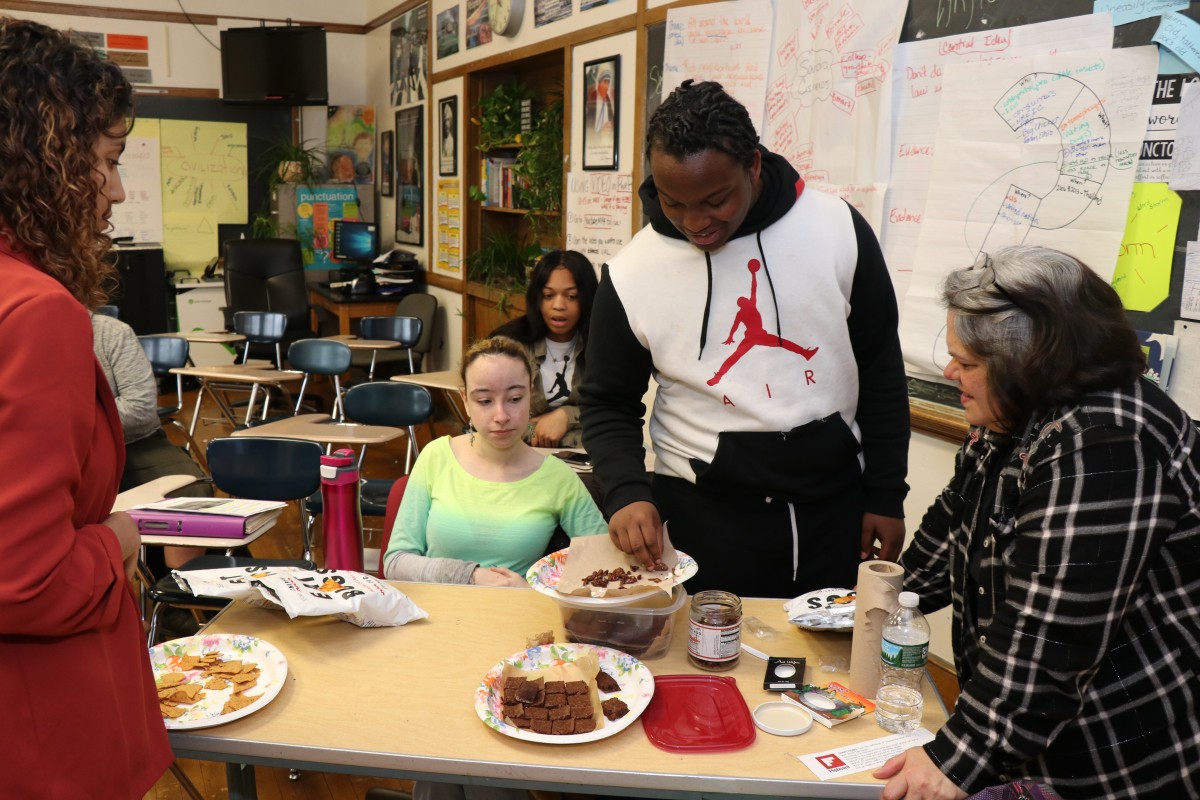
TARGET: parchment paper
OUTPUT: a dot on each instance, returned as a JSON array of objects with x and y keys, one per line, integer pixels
[
  {"x": 590, "y": 553},
  {"x": 583, "y": 669}
]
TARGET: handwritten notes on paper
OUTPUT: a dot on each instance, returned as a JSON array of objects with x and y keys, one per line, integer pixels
[
  {"x": 828, "y": 104},
  {"x": 917, "y": 93},
  {"x": 1143, "y": 274},
  {"x": 723, "y": 42},
  {"x": 1032, "y": 150},
  {"x": 204, "y": 184},
  {"x": 1182, "y": 36},
  {"x": 140, "y": 216},
  {"x": 1190, "y": 303},
  {"x": 1125, "y": 11},
  {"x": 599, "y": 213},
  {"x": 1185, "y": 159}
]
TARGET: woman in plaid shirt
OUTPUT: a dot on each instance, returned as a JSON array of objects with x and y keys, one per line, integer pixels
[{"x": 1068, "y": 544}]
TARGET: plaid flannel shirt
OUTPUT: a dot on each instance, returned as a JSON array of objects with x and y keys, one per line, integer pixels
[{"x": 1078, "y": 650}]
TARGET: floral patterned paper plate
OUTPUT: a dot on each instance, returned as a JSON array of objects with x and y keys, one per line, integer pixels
[
  {"x": 543, "y": 576},
  {"x": 206, "y": 713},
  {"x": 635, "y": 680}
]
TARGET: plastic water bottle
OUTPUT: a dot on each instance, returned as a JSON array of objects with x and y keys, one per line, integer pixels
[
  {"x": 904, "y": 652},
  {"x": 342, "y": 514}
]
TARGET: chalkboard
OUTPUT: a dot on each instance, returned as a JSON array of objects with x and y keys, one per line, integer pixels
[
  {"x": 264, "y": 126},
  {"x": 932, "y": 405}
]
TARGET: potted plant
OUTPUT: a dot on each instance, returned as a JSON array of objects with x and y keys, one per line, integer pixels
[{"x": 282, "y": 162}]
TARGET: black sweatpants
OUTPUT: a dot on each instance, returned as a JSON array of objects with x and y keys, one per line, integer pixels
[{"x": 744, "y": 544}]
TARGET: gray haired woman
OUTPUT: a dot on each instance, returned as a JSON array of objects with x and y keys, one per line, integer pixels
[{"x": 1067, "y": 543}]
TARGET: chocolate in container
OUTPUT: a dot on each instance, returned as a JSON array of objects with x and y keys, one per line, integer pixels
[{"x": 715, "y": 630}]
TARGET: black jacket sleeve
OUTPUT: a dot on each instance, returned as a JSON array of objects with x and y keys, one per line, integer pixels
[
  {"x": 882, "y": 387},
  {"x": 610, "y": 400}
]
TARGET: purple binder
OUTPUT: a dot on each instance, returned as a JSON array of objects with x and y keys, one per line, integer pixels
[{"x": 181, "y": 523}]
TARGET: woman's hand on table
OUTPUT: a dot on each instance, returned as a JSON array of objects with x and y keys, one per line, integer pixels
[
  {"x": 637, "y": 530},
  {"x": 912, "y": 775},
  {"x": 550, "y": 428},
  {"x": 128, "y": 538},
  {"x": 497, "y": 576}
]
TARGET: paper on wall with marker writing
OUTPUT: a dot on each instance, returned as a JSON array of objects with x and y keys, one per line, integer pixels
[
  {"x": 1185, "y": 375},
  {"x": 1185, "y": 158}
]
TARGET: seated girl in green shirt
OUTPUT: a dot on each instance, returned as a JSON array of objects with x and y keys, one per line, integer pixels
[{"x": 481, "y": 507}]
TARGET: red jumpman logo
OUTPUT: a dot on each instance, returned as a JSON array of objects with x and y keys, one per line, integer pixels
[{"x": 756, "y": 335}]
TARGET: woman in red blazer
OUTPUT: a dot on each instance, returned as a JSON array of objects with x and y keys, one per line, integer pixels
[{"x": 80, "y": 714}]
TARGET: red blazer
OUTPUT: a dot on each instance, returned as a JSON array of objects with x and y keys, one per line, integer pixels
[{"x": 78, "y": 711}]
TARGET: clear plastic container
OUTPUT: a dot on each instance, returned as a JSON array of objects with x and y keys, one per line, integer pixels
[
  {"x": 904, "y": 653},
  {"x": 642, "y": 629}
]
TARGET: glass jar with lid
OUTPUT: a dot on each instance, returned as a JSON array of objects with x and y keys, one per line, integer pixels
[{"x": 715, "y": 630}]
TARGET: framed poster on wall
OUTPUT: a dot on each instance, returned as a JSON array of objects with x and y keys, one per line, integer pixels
[
  {"x": 387, "y": 164},
  {"x": 600, "y": 112},
  {"x": 448, "y": 136},
  {"x": 410, "y": 169}
]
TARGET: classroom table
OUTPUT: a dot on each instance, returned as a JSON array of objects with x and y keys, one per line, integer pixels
[
  {"x": 346, "y": 306},
  {"x": 398, "y": 702},
  {"x": 323, "y": 429},
  {"x": 448, "y": 383},
  {"x": 210, "y": 337},
  {"x": 217, "y": 379}
]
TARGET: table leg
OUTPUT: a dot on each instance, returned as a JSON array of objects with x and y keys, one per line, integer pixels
[{"x": 240, "y": 780}]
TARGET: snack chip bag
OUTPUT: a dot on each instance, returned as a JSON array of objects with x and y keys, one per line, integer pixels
[{"x": 353, "y": 597}]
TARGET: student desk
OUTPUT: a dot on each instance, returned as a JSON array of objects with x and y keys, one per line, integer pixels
[
  {"x": 346, "y": 306},
  {"x": 217, "y": 379},
  {"x": 448, "y": 383},
  {"x": 398, "y": 702},
  {"x": 323, "y": 429}
]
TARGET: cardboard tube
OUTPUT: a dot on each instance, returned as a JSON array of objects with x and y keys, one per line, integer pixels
[{"x": 878, "y": 588}]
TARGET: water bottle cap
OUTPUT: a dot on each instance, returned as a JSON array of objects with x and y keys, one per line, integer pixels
[
  {"x": 339, "y": 458},
  {"x": 909, "y": 599}
]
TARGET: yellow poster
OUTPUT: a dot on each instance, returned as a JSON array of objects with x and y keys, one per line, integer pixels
[
  {"x": 1143, "y": 274},
  {"x": 203, "y": 184}
]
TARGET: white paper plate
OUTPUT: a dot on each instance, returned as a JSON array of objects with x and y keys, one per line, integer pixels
[
  {"x": 206, "y": 712},
  {"x": 543, "y": 576},
  {"x": 635, "y": 680}
]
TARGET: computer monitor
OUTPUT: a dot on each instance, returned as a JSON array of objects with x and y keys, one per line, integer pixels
[{"x": 354, "y": 242}]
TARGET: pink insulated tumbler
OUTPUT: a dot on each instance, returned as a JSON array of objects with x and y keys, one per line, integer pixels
[{"x": 342, "y": 512}]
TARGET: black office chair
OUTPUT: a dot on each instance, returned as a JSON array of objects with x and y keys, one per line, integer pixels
[
  {"x": 263, "y": 468},
  {"x": 424, "y": 307},
  {"x": 267, "y": 275},
  {"x": 405, "y": 330},
  {"x": 165, "y": 354}
]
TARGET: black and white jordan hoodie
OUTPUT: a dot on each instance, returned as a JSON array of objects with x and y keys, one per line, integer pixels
[{"x": 777, "y": 356}]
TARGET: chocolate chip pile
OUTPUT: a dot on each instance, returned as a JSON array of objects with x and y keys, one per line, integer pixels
[{"x": 601, "y": 578}]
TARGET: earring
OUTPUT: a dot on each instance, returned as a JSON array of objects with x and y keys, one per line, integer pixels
[{"x": 471, "y": 430}]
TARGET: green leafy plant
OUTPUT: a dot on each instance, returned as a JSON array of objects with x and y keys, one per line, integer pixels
[
  {"x": 540, "y": 162},
  {"x": 503, "y": 262},
  {"x": 285, "y": 161},
  {"x": 499, "y": 115}
]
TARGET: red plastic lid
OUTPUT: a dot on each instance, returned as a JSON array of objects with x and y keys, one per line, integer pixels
[{"x": 697, "y": 714}]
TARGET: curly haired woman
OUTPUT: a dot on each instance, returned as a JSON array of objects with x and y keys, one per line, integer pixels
[{"x": 81, "y": 717}]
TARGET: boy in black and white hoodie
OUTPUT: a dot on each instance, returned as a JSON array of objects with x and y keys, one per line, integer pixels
[{"x": 767, "y": 317}]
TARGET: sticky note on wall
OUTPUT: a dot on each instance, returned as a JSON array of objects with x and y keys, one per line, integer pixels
[{"x": 1143, "y": 274}]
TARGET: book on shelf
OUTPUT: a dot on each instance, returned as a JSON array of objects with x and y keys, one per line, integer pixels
[
  {"x": 217, "y": 517},
  {"x": 830, "y": 705}
]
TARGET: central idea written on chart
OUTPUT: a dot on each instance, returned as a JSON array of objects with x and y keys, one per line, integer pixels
[{"x": 599, "y": 213}]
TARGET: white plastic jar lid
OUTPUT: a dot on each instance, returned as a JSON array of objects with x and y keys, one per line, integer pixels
[{"x": 782, "y": 718}]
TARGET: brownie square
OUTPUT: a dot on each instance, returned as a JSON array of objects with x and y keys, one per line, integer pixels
[
  {"x": 606, "y": 683},
  {"x": 576, "y": 687},
  {"x": 514, "y": 710},
  {"x": 582, "y": 712},
  {"x": 537, "y": 712},
  {"x": 562, "y": 712},
  {"x": 522, "y": 723},
  {"x": 614, "y": 708},
  {"x": 585, "y": 725},
  {"x": 580, "y": 701},
  {"x": 555, "y": 687},
  {"x": 555, "y": 700},
  {"x": 509, "y": 694},
  {"x": 564, "y": 726},
  {"x": 542, "y": 726},
  {"x": 529, "y": 690}
]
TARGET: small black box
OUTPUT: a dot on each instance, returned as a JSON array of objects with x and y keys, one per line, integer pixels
[{"x": 783, "y": 673}]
